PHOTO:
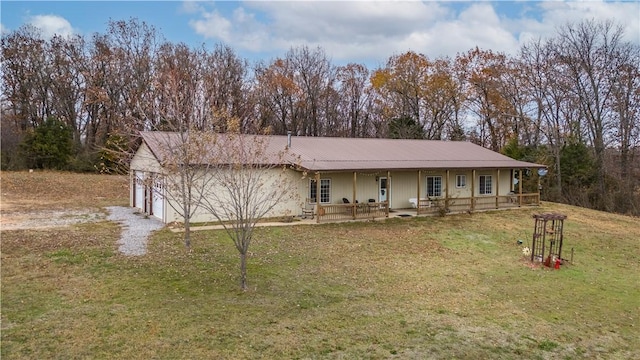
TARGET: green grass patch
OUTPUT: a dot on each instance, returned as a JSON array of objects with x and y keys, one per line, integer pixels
[{"x": 547, "y": 345}]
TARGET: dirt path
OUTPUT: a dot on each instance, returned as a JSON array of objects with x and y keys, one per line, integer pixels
[{"x": 43, "y": 219}]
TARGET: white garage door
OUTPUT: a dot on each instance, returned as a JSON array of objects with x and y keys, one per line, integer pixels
[
  {"x": 139, "y": 191},
  {"x": 158, "y": 199}
]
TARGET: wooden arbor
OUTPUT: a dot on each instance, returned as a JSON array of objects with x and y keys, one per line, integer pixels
[{"x": 547, "y": 238}]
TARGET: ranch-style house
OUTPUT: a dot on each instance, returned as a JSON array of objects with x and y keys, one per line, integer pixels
[{"x": 360, "y": 178}]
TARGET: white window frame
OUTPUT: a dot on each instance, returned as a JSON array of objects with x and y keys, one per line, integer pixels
[
  {"x": 483, "y": 181},
  {"x": 461, "y": 181},
  {"x": 325, "y": 191},
  {"x": 432, "y": 179}
]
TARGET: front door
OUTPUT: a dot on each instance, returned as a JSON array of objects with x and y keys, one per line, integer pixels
[{"x": 382, "y": 189}]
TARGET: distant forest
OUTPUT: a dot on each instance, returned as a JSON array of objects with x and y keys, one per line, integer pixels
[{"x": 571, "y": 102}]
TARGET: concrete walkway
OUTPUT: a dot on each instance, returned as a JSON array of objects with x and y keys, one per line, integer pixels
[
  {"x": 261, "y": 224},
  {"x": 405, "y": 214}
]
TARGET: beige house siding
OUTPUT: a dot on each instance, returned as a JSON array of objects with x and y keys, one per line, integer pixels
[
  {"x": 290, "y": 206},
  {"x": 404, "y": 186},
  {"x": 506, "y": 181},
  {"x": 342, "y": 186},
  {"x": 460, "y": 192},
  {"x": 145, "y": 160}
]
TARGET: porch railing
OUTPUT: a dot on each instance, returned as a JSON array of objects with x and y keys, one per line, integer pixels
[
  {"x": 457, "y": 205},
  {"x": 336, "y": 212}
]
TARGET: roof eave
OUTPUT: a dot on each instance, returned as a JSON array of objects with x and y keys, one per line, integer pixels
[{"x": 376, "y": 169}]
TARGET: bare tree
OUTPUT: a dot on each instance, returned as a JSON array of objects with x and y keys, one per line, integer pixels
[
  {"x": 67, "y": 87},
  {"x": 180, "y": 110},
  {"x": 354, "y": 93},
  {"x": 133, "y": 48},
  {"x": 315, "y": 76},
  {"x": 25, "y": 77},
  {"x": 592, "y": 52},
  {"x": 279, "y": 97},
  {"x": 625, "y": 105},
  {"x": 225, "y": 86},
  {"x": 251, "y": 177},
  {"x": 553, "y": 104}
]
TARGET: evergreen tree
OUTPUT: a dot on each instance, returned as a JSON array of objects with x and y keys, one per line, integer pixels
[
  {"x": 405, "y": 128},
  {"x": 49, "y": 146}
]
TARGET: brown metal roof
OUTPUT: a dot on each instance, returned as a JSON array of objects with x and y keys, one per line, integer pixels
[{"x": 344, "y": 154}]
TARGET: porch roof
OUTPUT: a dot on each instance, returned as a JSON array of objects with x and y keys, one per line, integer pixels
[
  {"x": 343, "y": 154},
  {"x": 367, "y": 154}
]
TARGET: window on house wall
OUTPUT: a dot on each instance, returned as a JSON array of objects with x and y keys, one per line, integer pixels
[
  {"x": 325, "y": 190},
  {"x": 461, "y": 181},
  {"x": 434, "y": 186},
  {"x": 486, "y": 185}
]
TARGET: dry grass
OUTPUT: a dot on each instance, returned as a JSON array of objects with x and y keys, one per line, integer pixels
[
  {"x": 46, "y": 190},
  {"x": 453, "y": 287}
]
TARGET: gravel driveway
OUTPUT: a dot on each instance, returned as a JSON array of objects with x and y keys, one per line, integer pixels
[{"x": 136, "y": 229}]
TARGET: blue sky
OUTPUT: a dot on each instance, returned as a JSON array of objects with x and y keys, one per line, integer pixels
[{"x": 354, "y": 31}]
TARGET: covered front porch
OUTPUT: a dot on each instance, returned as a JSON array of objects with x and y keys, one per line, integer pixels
[{"x": 400, "y": 193}]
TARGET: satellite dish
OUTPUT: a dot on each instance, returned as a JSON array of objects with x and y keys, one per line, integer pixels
[
  {"x": 515, "y": 181},
  {"x": 542, "y": 172}
]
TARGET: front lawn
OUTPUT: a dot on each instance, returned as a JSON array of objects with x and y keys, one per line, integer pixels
[{"x": 453, "y": 287}]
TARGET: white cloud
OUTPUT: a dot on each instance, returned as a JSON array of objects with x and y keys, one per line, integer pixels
[
  {"x": 478, "y": 25},
  {"x": 372, "y": 31},
  {"x": 51, "y": 25},
  {"x": 3, "y": 29},
  {"x": 625, "y": 13},
  {"x": 213, "y": 25},
  {"x": 345, "y": 30},
  {"x": 191, "y": 7}
]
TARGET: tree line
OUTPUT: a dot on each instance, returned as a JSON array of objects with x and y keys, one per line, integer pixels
[{"x": 571, "y": 101}]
